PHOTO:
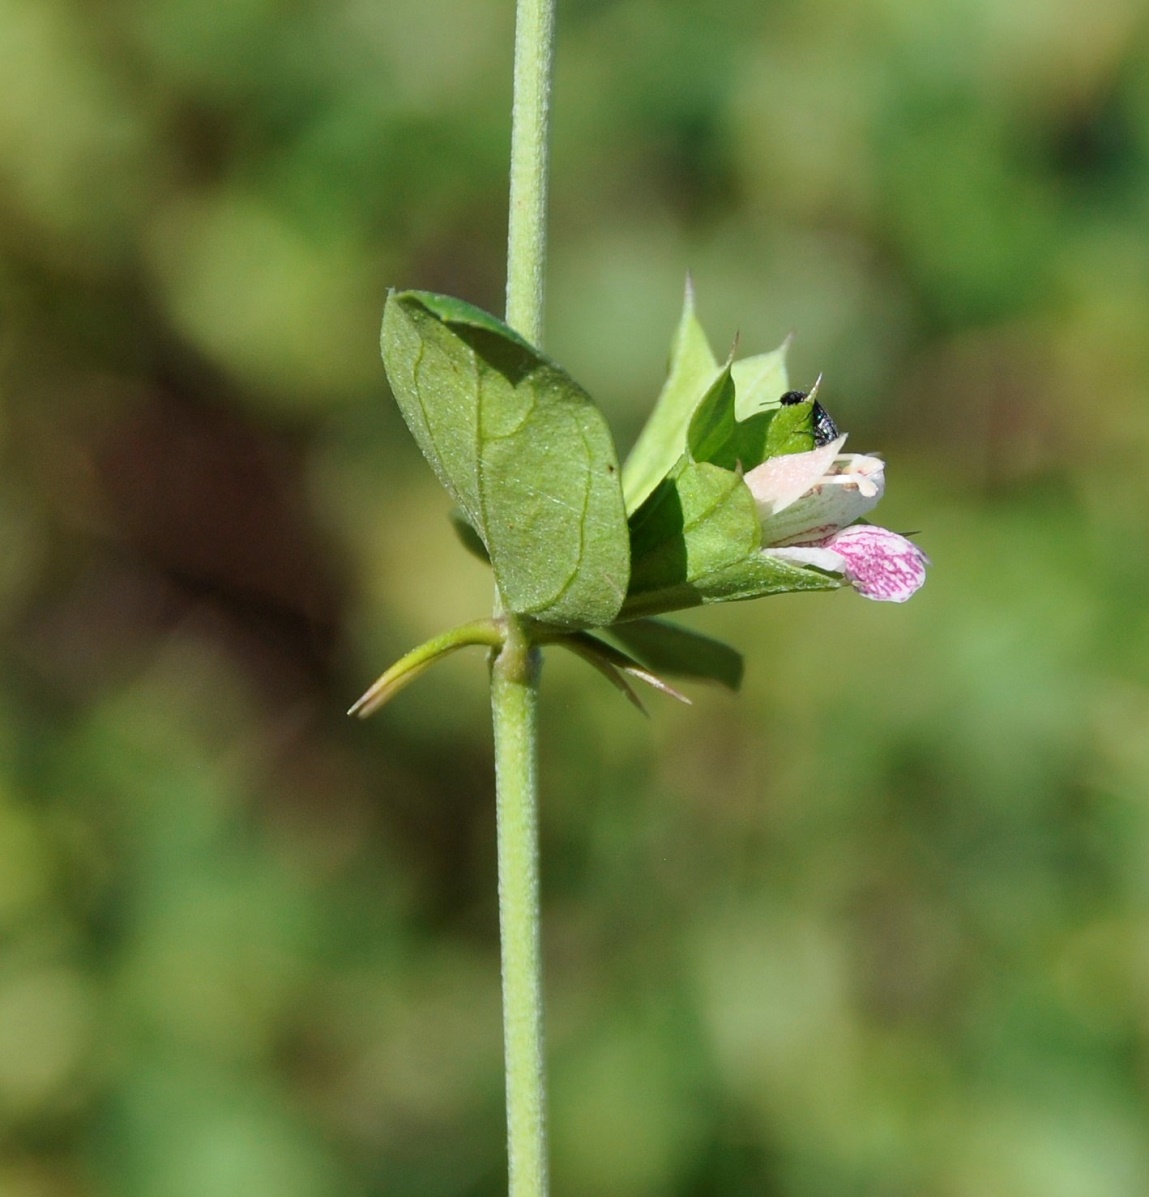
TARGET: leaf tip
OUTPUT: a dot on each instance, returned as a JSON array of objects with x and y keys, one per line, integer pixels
[{"x": 368, "y": 703}]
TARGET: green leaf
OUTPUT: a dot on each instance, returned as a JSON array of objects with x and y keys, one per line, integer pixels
[
  {"x": 748, "y": 447},
  {"x": 740, "y": 422},
  {"x": 761, "y": 381},
  {"x": 699, "y": 521},
  {"x": 616, "y": 666},
  {"x": 717, "y": 436},
  {"x": 712, "y": 427},
  {"x": 671, "y": 648},
  {"x": 790, "y": 431},
  {"x": 697, "y": 539},
  {"x": 486, "y": 632},
  {"x": 523, "y": 451},
  {"x": 451, "y": 310},
  {"x": 756, "y": 576},
  {"x": 663, "y": 440}
]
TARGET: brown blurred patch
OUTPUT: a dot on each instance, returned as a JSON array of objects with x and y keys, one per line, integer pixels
[
  {"x": 991, "y": 397},
  {"x": 165, "y": 507}
]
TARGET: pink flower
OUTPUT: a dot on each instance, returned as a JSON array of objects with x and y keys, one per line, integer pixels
[{"x": 808, "y": 503}]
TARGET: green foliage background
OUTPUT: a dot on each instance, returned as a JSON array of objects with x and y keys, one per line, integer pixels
[{"x": 878, "y": 927}]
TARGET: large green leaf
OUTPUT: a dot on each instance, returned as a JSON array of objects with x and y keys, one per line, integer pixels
[
  {"x": 521, "y": 448},
  {"x": 697, "y": 539},
  {"x": 663, "y": 440}
]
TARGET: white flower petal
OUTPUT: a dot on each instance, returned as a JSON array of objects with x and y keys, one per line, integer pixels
[
  {"x": 832, "y": 504},
  {"x": 851, "y": 488},
  {"x": 780, "y": 481},
  {"x": 809, "y": 554}
]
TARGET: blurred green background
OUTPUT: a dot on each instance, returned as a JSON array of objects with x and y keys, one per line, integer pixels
[{"x": 877, "y": 927}]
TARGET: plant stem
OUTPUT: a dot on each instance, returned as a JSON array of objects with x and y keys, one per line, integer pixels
[
  {"x": 527, "y": 228},
  {"x": 514, "y": 704},
  {"x": 515, "y": 667}
]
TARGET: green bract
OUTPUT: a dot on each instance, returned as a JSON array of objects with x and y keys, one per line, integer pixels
[
  {"x": 669, "y": 648},
  {"x": 661, "y": 442},
  {"x": 576, "y": 543},
  {"x": 697, "y": 539},
  {"x": 691, "y": 382}
]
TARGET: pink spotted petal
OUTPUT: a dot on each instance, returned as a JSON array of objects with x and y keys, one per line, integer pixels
[{"x": 880, "y": 564}]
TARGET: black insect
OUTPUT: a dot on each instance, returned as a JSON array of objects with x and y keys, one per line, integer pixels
[{"x": 825, "y": 430}]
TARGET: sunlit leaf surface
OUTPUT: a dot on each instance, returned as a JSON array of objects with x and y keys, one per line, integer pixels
[{"x": 522, "y": 449}]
